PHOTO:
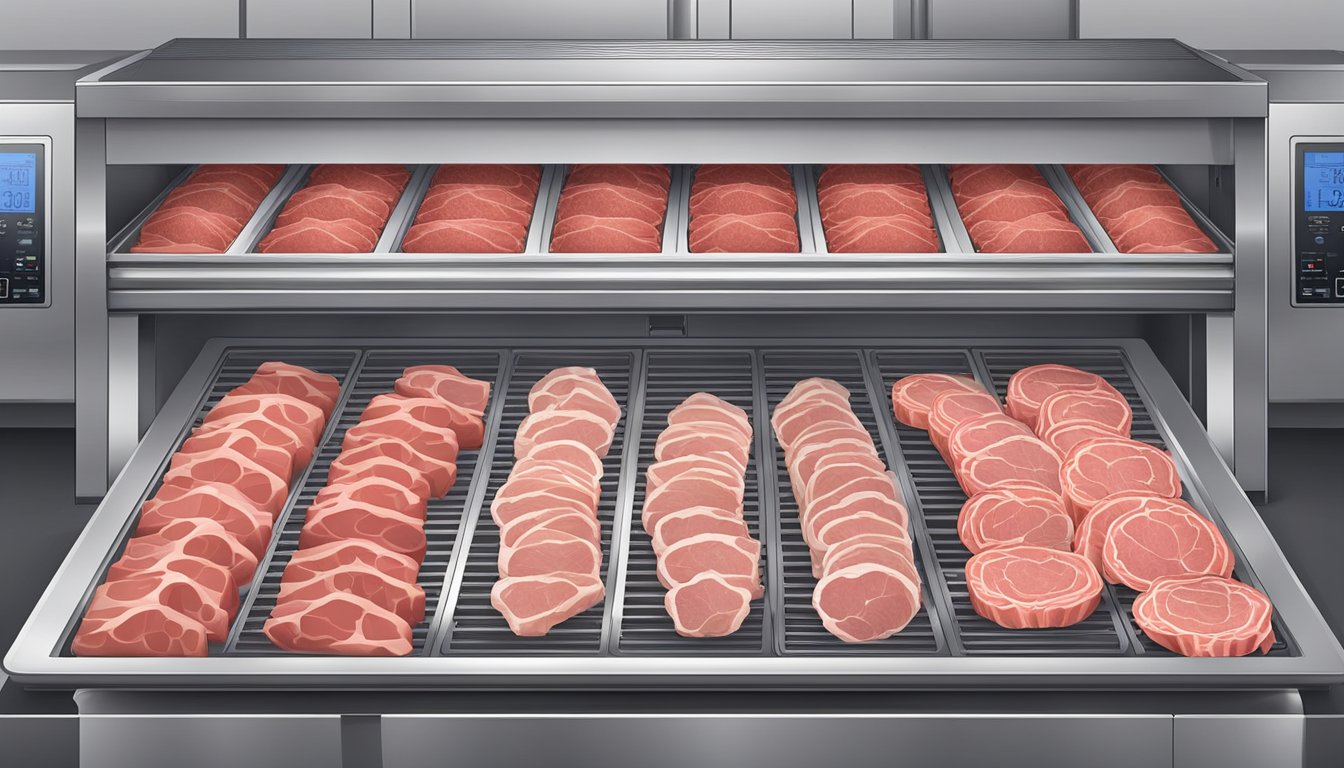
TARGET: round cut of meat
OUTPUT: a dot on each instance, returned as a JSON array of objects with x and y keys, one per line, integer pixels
[
  {"x": 707, "y": 606},
  {"x": 1005, "y": 517},
  {"x": 340, "y": 521},
  {"x": 545, "y": 552},
  {"x": 692, "y": 439},
  {"x": 533, "y": 605},
  {"x": 704, "y": 407},
  {"x": 224, "y": 504},
  {"x": 1206, "y": 616},
  {"x": 169, "y": 589},
  {"x": 1149, "y": 543},
  {"x": 338, "y": 623},
  {"x": 1026, "y": 587},
  {"x": 1029, "y": 388},
  {"x": 1102, "y": 408},
  {"x": 1070, "y": 434},
  {"x": 867, "y": 602},
  {"x": 570, "y": 521},
  {"x": 912, "y": 396},
  {"x": 1017, "y": 460},
  {"x": 1100, "y": 468},
  {"x": 727, "y": 555},
  {"x": 284, "y": 410},
  {"x": 976, "y": 434},
  {"x": 1090, "y": 537},
  {"x": 685, "y": 523},
  {"x": 545, "y": 426},
  {"x": 874, "y": 549},
  {"x": 446, "y": 383},
  {"x": 951, "y": 408},
  {"x": 226, "y": 466}
]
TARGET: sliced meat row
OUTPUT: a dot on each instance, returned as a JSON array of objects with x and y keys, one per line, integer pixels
[
  {"x": 352, "y": 587},
  {"x": 856, "y": 527},
  {"x": 198, "y": 540},
  {"x": 340, "y": 209},
  {"x": 876, "y": 209},
  {"x": 1139, "y": 209},
  {"x": 205, "y": 213},
  {"x": 743, "y": 209},
  {"x": 612, "y": 209},
  {"x": 1013, "y": 209},
  {"x": 693, "y": 510},
  {"x": 550, "y": 551},
  {"x": 475, "y": 209}
]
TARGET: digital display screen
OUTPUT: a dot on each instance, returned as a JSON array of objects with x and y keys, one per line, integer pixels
[
  {"x": 18, "y": 182},
  {"x": 1323, "y": 175}
]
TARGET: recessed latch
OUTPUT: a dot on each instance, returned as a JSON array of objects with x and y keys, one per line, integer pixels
[{"x": 667, "y": 325}]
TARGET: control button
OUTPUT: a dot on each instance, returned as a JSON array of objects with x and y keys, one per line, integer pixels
[
  {"x": 1339, "y": 287},
  {"x": 29, "y": 241},
  {"x": 4, "y": 288},
  {"x": 1319, "y": 241}
]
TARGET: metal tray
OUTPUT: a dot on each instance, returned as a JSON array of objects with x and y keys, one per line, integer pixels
[
  {"x": 627, "y": 641},
  {"x": 942, "y": 219}
]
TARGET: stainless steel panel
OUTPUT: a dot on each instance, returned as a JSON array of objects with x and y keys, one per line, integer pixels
[
  {"x": 211, "y": 741},
  {"x": 126, "y": 24},
  {"x": 1238, "y": 741},
  {"x": 1250, "y": 331},
  {"x": 310, "y": 19},
  {"x": 792, "y": 19},
  {"x": 91, "y": 332},
  {"x": 710, "y": 738},
  {"x": 1295, "y": 24},
  {"x": 1021, "y": 20},
  {"x": 526, "y": 19},
  {"x": 391, "y": 19}
]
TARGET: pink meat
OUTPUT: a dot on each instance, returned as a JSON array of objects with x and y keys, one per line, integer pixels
[
  {"x": 879, "y": 174},
  {"x": 144, "y": 630},
  {"x": 727, "y": 555},
  {"x": 1029, "y": 387},
  {"x": 1168, "y": 540},
  {"x": 472, "y": 202},
  {"x": 226, "y": 466},
  {"x": 533, "y": 605},
  {"x": 1101, "y": 408},
  {"x": 505, "y": 509},
  {"x": 716, "y": 464},
  {"x": 219, "y": 198},
  {"x": 225, "y": 505},
  {"x": 349, "y": 470},
  {"x": 310, "y": 562},
  {"x": 980, "y": 432},
  {"x": 682, "y": 440},
  {"x": 744, "y": 233},
  {"x": 574, "y": 523},
  {"x": 436, "y": 443},
  {"x": 887, "y": 551},
  {"x": 344, "y": 520},
  {"x": 546, "y": 552},
  {"x": 210, "y": 604},
  {"x": 912, "y": 396},
  {"x": 385, "y": 181},
  {"x": 465, "y": 236},
  {"x": 320, "y": 236},
  {"x": 791, "y": 425},
  {"x": 952, "y": 408},
  {"x": 188, "y": 537},
  {"x": 766, "y": 175},
  {"x": 275, "y": 459},
  {"x": 692, "y": 489},
  {"x": 569, "y": 453},
  {"x": 742, "y": 199},
  {"x": 546, "y": 426},
  {"x": 1012, "y": 203},
  {"x": 333, "y": 202},
  {"x": 1090, "y": 537},
  {"x": 1018, "y": 460},
  {"x": 380, "y": 492},
  {"x": 1038, "y": 233},
  {"x": 405, "y": 599},
  {"x": 704, "y": 407},
  {"x": 191, "y": 225},
  {"x": 436, "y": 412},
  {"x": 708, "y": 605},
  {"x": 1025, "y": 587},
  {"x": 881, "y": 235},
  {"x": 445, "y": 383},
  {"x": 488, "y": 175},
  {"x": 338, "y": 623},
  {"x": 693, "y": 521},
  {"x": 605, "y": 201},
  {"x": 441, "y": 475},
  {"x": 1206, "y": 616},
  {"x": 582, "y": 233},
  {"x": 1068, "y": 435},
  {"x": 1005, "y": 517},
  {"x": 1100, "y": 468},
  {"x": 868, "y": 602},
  {"x": 865, "y": 511},
  {"x": 841, "y": 203}
]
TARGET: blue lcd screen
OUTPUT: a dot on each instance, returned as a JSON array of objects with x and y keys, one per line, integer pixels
[
  {"x": 18, "y": 182},
  {"x": 1323, "y": 174}
]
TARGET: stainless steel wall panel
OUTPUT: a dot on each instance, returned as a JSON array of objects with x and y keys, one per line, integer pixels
[
  {"x": 310, "y": 19},
  {"x": 792, "y": 19},
  {"x": 524, "y": 19},
  {"x": 1022, "y": 20}
]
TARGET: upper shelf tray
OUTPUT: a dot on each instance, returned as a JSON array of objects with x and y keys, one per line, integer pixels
[{"x": 681, "y": 79}]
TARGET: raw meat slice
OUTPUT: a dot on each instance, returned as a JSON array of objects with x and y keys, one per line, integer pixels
[
  {"x": 580, "y": 524},
  {"x": 888, "y": 551},
  {"x": 1096, "y": 469},
  {"x": 465, "y": 236},
  {"x": 286, "y": 411},
  {"x": 338, "y": 623},
  {"x": 610, "y": 202},
  {"x": 220, "y": 588},
  {"x": 707, "y": 606},
  {"x": 1128, "y": 195},
  {"x": 970, "y": 181},
  {"x": 165, "y": 588},
  {"x": 1026, "y": 587},
  {"x": 342, "y": 521},
  {"x": 648, "y": 192},
  {"x": 189, "y": 537},
  {"x": 811, "y": 387},
  {"x": 377, "y": 492},
  {"x": 580, "y": 477},
  {"x": 582, "y": 233},
  {"x": 980, "y": 432},
  {"x": 160, "y": 245},
  {"x": 332, "y": 202},
  {"x": 143, "y": 630},
  {"x": 310, "y": 562},
  {"x": 744, "y": 233},
  {"x": 505, "y": 509},
  {"x": 1029, "y": 388},
  {"x": 877, "y": 173},
  {"x": 826, "y": 433},
  {"x": 488, "y": 175},
  {"x": 1066, "y": 436},
  {"x": 809, "y": 456},
  {"x": 839, "y": 481},
  {"x": 385, "y": 181},
  {"x": 225, "y": 466},
  {"x": 320, "y": 236},
  {"x": 693, "y": 521},
  {"x": 1169, "y": 540},
  {"x": 562, "y": 381},
  {"x": 533, "y": 605},
  {"x": 464, "y": 202},
  {"x": 294, "y": 442},
  {"x": 838, "y": 507},
  {"x": 619, "y": 175},
  {"x": 188, "y": 224},
  {"x": 694, "y": 488},
  {"x": 767, "y": 175},
  {"x": 662, "y": 471},
  {"x": 1206, "y": 616},
  {"x": 217, "y": 197},
  {"x": 742, "y": 198},
  {"x": 553, "y": 481},
  {"x": 1154, "y": 225},
  {"x": 1014, "y": 202},
  {"x": 432, "y": 411},
  {"x": 1007, "y": 517},
  {"x": 1101, "y": 408},
  {"x": 545, "y": 552},
  {"x": 817, "y": 395},
  {"x": 841, "y": 204},
  {"x": 866, "y": 234},
  {"x": 438, "y": 444},
  {"x": 845, "y": 527},
  {"x": 244, "y": 520},
  {"x": 344, "y": 471},
  {"x": 446, "y": 383},
  {"x": 1092, "y": 179},
  {"x": 545, "y": 426},
  {"x": 682, "y": 440},
  {"x": 791, "y": 427},
  {"x": 1090, "y": 537},
  {"x": 405, "y": 599},
  {"x": 1018, "y": 460},
  {"x": 950, "y": 408},
  {"x": 251, "y": 186},
  {"x": 568, "y": 454},
  {"x": 864, "y": 603},
  {"x": 1038, "y": 233},
  {"x": 583, "y": 400},
  {"x": 279, "y": 378},
  {"x": 276, "y": 460},
  {"x": 704, "y": 407},
  {"x": 710, "y": 552},
  {"x": 441, "y": 475}
]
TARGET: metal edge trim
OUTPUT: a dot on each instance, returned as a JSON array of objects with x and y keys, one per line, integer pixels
[
  {"x": 937, "y": 176},
  {"x": 122, "y": 241},
  {"x": 399, "y": 219},
  {"x": 260, "y": 224},
  {"x": 623, "y": 516},
  {"x": 543, "y": 217},
  {"x": 414, "y": 197},
  {"x": 1079, "y": 210}
]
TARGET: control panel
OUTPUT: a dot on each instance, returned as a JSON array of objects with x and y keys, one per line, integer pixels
[
  {"x": 1318, "y": 226},
  {"x": 24, "y": 172}
]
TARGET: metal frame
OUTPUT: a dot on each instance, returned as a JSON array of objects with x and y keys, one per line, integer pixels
[{"x": 1320, "y": 659}]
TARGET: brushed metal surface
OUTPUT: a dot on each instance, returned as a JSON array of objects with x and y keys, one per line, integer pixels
[{"x": 525, "y": 19}]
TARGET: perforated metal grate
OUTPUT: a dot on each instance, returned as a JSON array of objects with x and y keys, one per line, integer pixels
[
  {"x": 474, "y": 626},
  {"x": 443, "y": 518}
]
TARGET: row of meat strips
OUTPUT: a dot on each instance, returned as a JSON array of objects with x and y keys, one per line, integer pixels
[{"x": 1061, "y": 498}]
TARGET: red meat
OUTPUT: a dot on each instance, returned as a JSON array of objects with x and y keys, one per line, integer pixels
[
  {"x": 320, "y": 236},
  {"x": 547, "y": 552},
  {"x": 338, "y": 623},
  {"x": 188, "y": 537},
  {"x": 777, "y": 176},
  {"x": 1017, "y": 460},
  {"x": 566, "y": 520},
  {"x": 1090, "y": 537},
  {"x": 310, "y": 562},
  {"x": 143, "y": 630},
  {"x": 887, "y": 175},
  {"x": 1100, "y": 468},
  {"x": 546, "y": 426},
  {"x": 489, "y": 175},
  {"x": 742, "y": 199},
  {"x": 469, "y": 202},
  {"x": 465, "y": 236},
  {"x": 709, "y": 605},
  {"x": 431, "y": 411},
  {"x": 1029, "y": 388},
  {"x": 581, "y": 233},
  {"x": 345, "y": 470},
  {"x": 437, "y": 443},
  {"x": 441, "y": 475},
  {"x": 170, "y": 589},
  {"x": 220, "y": 198},
  {"x": 978, "y": 433},
  {"x": 1064, "y": 437},
  {"x": 287, "y": 437},
  {"x": 319, "y": 389},
  {"x": 378, "y": 492},
  {"x": 1038, "y": 233},
  {"x": 1162, "y": 540},
  {"x": 445, "y": 383},
  {"x": 881, "y": 235},
  {"x": 738, "y": 233},
  {"x": 1012, "y": 203},
  {"x": 1005, "y": 517},
  {"x": 1206, "y": 616},
  {"x": 275, "y": 459},
  {"x": 333, "y": 202},
  {"x": 237, "y": 514},
  {"x": 191, "y": 225},
  {"x": 385, "y": 181},
  {"x": 405, "y": 599},
  {"x": 1032, "y": 587},
  {"x": 912, "y": 396},
  {"x": 226, "y": 466},
  {"x": 951, "y": 407},
  {"x": 604, "y": 201},
  {"x": 341, "y": 521}
]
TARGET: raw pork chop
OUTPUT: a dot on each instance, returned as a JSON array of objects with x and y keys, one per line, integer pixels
[
  {"x": 226, "y": 466},
  {"x": 431, "y": 411},
  {"x": 446, "y": 383},
  {"x": 701, "y": 439},
  {"x": 912, "y": 396},
  {"x": 727, "y": 555},
  {"x": 532, "y": 605},
  {"x": 214, "y": 578},
  {"x": 1205, "y": 616},
  {"x": 980, "y": 432},
  {"x": 1090, "y": 538},
  {"x": 950, "y": 408},
  {"x": 405, "y": 599},
  {"x": 743, "y": 198},
  {"x": 303, "y": 418},
  {"x": 1005, "y": 517},
  {"x": 547, "y": 552},
  {"x": 382, "y": 467},
  {"x": 441, "y": 475},
  {"x": 1100, "y": 408},
  {"x": 1013, "y": 461},
  {"x": 192, "y": 537},
  {"x": 144, "y": 630},
  {"x": 545, "y": 426},
  {"x": 433, "y": 442},
  {"x": 717, "y": 464},
  {"x": 330, "y": 202},
  {"x": 1029, "y": 388},
  {"x": 376, "y": 492},
  {"x": 1155, "y": 541},
  {"x": 189, "y": 224},
  {"x": 1068, "y": 435},
  {"x": 863, "y": 603},
  {"x": 338, "y": 623},
  {"x": 319, "y": 389},
  {"x": 310, "y": 562},
  {"x": 708, "y": 605},
  {"x": 243, "y": 520},
  {"x": 704, "y": 407},
  {"x": 1032, "y": 587},
  {"x": 1096, "y": 469},
  {"x": 293, "y": 441},
  {"x": 610, "y": 202},
  {"x": 562, "y": 519},
  {"x": 889, "y": 551},
  {"x": 341, "y": 521},
  {"x": 693, "y": 521},
  {"x": 166, "y": 588},
  {"x": 698, "y": 488},
  {"x": 744, "y": 233},
  {"x": 277, "y": 460}
]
